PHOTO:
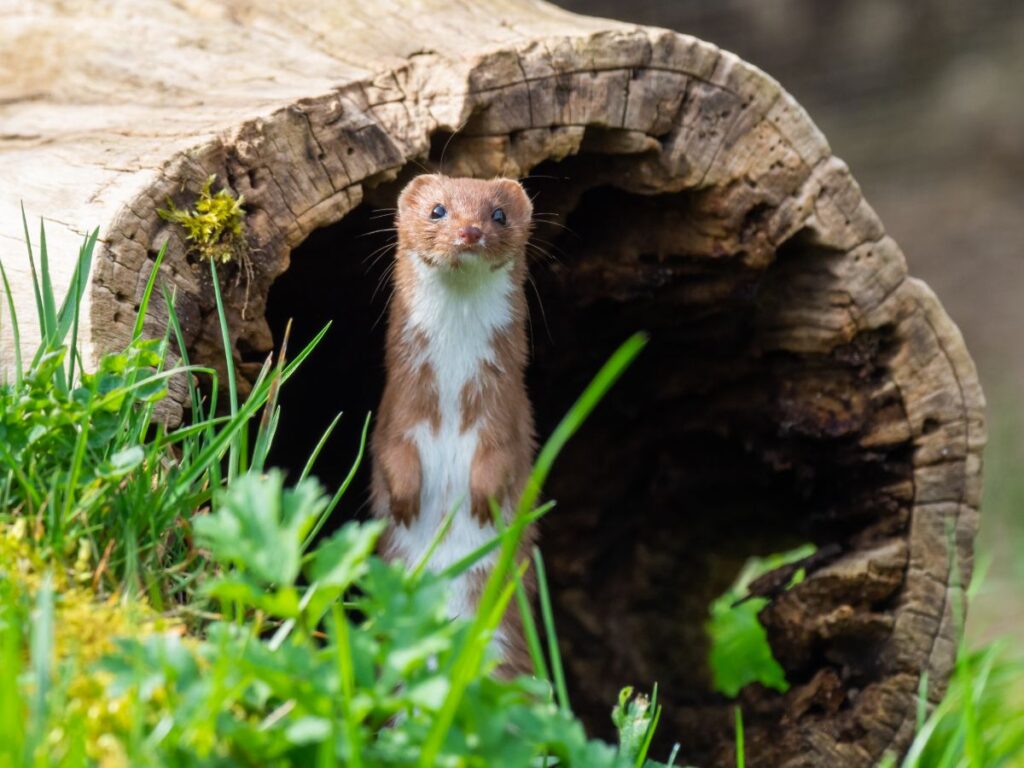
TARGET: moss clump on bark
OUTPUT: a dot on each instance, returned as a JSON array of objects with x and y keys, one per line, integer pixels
[{"x": 215, "y": 228}]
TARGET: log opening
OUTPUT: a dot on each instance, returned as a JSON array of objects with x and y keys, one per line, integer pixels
[{"x": 713, "y": 448}]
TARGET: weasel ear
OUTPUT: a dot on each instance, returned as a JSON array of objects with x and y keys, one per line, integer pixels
[
  {"x": 414, "y": 189},
  {"x": 516, "y": 195}
]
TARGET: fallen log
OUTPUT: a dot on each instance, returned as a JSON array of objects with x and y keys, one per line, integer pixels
[{"x": 799, "y": 385}]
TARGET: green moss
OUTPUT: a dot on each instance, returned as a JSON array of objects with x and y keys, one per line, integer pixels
[{"x": 214, "y": 229}]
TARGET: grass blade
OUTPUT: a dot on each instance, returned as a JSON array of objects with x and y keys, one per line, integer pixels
[
  {"x": 319, "y": 447},
  {"x": 581, "y": 409},
  {"x": 439, "y": 534},
  {"x": 346, "y": 674},
  {"x": 548, "y": 617},
  {"x": 179, "y": 338},
  {"x": 78, "y": 280},
  {"x": 40, "y": 313},
  {"x": 19, "y": 372},
  {"x": 268, "y": 423},
  {"x": 65, "y": 317},
  {"x": 140, "y": 316},
  {"x": 341, "y": 489},
  {"x": 49, "y": 304},
  {"x": 215, "y": 448},
  {"x": 229, "y": 365},
  {"x": 540, "y": 665},
  {"x": 641, "y": 756},
  {"x": 41, "y": 663},
  {"x": 112, "y": 397},
  {"x": 465, "y": 563},
  {"x": 12, "y": 705},
  {"x": 741, "y": 756}
]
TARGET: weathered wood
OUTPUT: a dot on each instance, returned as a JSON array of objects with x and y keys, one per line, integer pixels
[{"x": 799, "y": 386}]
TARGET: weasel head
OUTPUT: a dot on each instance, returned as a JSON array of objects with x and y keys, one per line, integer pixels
[{"x": 455, "y": 223}]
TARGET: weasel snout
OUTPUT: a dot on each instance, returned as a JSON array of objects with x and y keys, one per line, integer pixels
[{"x": 469, "y": 236}]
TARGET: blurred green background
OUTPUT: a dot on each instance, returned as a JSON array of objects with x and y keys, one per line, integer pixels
[{"x": 924, "y": 100}]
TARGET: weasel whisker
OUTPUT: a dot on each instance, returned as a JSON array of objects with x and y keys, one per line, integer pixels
[
  {"x": 543, "y": 313},
  {"x": 377, "y": 231},
  {"x": 378, "y": 253}
]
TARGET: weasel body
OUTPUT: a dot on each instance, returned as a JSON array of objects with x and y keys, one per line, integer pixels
[{"x": 455, "y": 428}]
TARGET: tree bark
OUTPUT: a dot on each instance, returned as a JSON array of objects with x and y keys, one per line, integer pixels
[{"x": 800, "y": 386}]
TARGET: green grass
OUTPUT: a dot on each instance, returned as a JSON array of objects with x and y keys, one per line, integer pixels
[
  {"x": 84, "y": 458},
  {"x": 980, "y": 721}
]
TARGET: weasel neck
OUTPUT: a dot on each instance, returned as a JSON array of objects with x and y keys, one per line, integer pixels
[{"x": 456, "y": 313}]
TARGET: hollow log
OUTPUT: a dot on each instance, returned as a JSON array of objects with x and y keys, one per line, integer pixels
[{"x": 799, "y": 385}]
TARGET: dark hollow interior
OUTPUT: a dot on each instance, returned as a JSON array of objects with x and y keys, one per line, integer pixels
[{"x": 709, "y": 450}]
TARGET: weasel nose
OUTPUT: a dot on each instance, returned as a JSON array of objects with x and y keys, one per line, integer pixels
[{"x": 470, "y": 235}]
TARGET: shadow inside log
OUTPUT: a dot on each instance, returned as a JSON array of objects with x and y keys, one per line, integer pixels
[
  {"x": 714, "y": 446},
  {"x": 338, "y": 276}
]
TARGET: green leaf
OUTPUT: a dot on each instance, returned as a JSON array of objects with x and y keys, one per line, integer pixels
[
  {"x": 342, "y": 559},
  {"x": 740, "y": 653},
  {"x": 430, "y": 694},
  {"x": 258, "y": 526},
  {"x": 121, "y": 463}
]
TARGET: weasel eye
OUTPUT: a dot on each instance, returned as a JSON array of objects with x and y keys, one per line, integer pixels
[
  {"x": 438, "y": 212},
  {"x": 499, "y": 216}
]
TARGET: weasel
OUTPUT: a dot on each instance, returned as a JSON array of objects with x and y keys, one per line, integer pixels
[{"x": 455, "y": 427}]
